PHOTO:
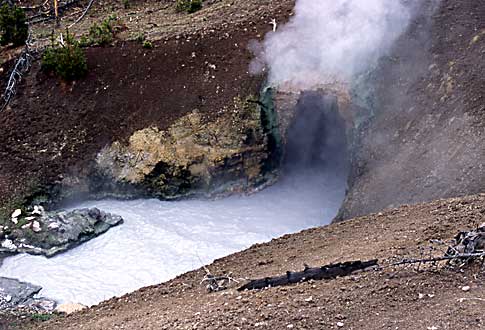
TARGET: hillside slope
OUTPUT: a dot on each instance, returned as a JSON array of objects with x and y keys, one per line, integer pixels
[
  {"x": 425, "y": 143},
  {"x": 392, "y": 298},
  {"x": 426, "y": 139}
]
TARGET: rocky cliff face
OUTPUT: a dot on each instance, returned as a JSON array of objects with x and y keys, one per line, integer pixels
[
  {"x": 425, "y": 140},
  {"x": 194, "y": 156}
]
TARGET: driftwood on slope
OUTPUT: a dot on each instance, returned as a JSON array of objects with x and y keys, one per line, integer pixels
[
  {"x": 319, "y": 273},
  {"x": 468, "y": 242},
  {"x": 466, "y": 247}
]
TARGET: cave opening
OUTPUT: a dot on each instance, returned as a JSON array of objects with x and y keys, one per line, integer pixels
[{"x": 316, "y": 140}]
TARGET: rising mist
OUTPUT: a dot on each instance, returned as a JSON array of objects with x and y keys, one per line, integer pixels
[{"x": 331, "y": 40}]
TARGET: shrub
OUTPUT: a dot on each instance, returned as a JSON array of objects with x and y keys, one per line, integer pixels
[
  {"x": 13, "y": 25},
  {"x": 41, "y": 317},
  {"x": 188, "y": 6},
  {"x": 67, "y": 61},
  {"x": 147, "y": 44},
  {"x": 102, "y": 34}
]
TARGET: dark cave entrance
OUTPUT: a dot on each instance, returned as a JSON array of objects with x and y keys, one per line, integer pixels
[{"x": 317, "y": 137}]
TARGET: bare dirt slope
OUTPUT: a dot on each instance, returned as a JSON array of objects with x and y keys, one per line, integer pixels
[
  {"x": 388, "y": 299},
  {"x": 426, "y": 140}
]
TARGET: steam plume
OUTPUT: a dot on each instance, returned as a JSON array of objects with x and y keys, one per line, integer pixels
[{"x": 331, "y": 40}]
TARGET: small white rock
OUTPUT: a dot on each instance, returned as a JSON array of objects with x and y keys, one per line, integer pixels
[
  {"x": 27, "y": 225},
  {"x": 16, "y": 213},
  {"x": 38, "y": 210},
  {"x": 36, "y": 226},
  {"x": 15, "y": 220},
  {"x": 465, "y": 288},
  {"x": 29, "y": 218},
  {"x": 340, "y": 324},
  {"x": 53, "y": 225},
  {"x": 8, "y": 244},
  {"x": 290, "y": 326},
  {"x": 309, "y": 299}
]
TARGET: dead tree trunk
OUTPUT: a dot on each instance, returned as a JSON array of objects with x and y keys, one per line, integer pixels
[{"x": 319, "y": 273}]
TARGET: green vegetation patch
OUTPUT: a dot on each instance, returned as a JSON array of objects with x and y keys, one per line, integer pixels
[
  {"x": 147, "y": 44},
  {"x": 40, "y": 317},
  {"x": 13, "y": 26},
  {"x": 66, "y": 60},
  {"x": 188, "y": 6},
  {"x": 102, "y": 34}
]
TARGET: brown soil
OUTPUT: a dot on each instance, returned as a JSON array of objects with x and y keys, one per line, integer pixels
[
  {"x": 53, "y": 128},
  {"x": 387, "y": 299},
  {"x": 145, "y": 87}
]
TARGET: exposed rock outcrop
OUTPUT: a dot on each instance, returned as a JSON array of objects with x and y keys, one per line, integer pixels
[
  {"x": 14, "y": 292},
  {"x": 55, "y": 232},
  {"x": 22, "y": 296},
  {"x": 286, "y": 98},
  {"x": 425, "y": 141},
  {"x": 193, "y": 156}
]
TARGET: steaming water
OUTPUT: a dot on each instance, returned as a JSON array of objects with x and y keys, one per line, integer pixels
[{"x": 160, "y": 240}]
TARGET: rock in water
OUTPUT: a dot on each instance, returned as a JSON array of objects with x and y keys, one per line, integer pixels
[
  {"x": 56, "y": 232},
  {"x": 14, "y": 292},
  {"x": 16, "y": 295}
]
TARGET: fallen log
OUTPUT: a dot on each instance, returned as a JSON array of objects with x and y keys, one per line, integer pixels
[{"x": 319, "y": 273}]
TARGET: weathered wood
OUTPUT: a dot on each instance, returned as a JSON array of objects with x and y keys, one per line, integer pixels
[{"x": 320, "y": 273}]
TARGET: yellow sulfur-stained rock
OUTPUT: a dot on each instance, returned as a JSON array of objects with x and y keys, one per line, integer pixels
[{"x": 192, "y": 154}]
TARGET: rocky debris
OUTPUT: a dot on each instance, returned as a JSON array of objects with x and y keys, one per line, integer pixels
[
  {"x": 21, "y": 296},
  {"x": 14, "y": 292},
  {"x": 469, "y": 242},
  {"x": 38, "y": 210},
  {"x": 15, "y": 216},
  {"x": 69, "y": 308},
  {"x": 55, "y": 232}
]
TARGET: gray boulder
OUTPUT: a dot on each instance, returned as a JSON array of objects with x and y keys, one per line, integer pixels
[
  {"x": 55, "y": 232},
  {"x": 14, "y": 292},
  {"x": 16, "y": 295}
]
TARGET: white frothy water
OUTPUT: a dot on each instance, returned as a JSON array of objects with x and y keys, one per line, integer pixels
[{"x": 160, "y": 240}]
